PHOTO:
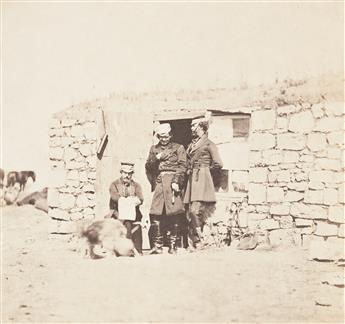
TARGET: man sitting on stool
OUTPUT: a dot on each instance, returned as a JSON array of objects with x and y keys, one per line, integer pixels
[{"x": 122, "y": 190}]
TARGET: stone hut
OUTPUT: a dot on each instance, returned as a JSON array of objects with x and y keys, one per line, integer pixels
[{"x": 282, "y": 147}]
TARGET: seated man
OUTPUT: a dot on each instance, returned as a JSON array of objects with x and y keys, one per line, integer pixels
[{"x": 125, "y": 189}]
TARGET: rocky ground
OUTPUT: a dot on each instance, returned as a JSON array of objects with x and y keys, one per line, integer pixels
[{"x": 44, "y": 281}]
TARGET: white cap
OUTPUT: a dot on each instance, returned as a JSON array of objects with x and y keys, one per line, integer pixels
[
  {"x": 127, "y": 167},
  {"x": 163, "y": 129}
]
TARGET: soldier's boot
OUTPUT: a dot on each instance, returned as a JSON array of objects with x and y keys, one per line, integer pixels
[
  {"x": 157, "y": 239},
  {"x": 199, "y": 243},
  {"x": 173, "y": 240}
]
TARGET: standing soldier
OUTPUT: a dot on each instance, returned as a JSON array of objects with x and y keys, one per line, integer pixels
[
  {"x": 125, "y": 187},
  {"x": 202, "y": 159},
  {"x": 166, "y": 167}
]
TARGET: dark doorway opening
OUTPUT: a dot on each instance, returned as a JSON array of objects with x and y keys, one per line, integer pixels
[{"x": 181, "y": 131}]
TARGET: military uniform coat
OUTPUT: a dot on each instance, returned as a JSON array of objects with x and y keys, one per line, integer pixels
[
  {"x": 170, "y": 168},
  {"x": 202, "y": 158}
]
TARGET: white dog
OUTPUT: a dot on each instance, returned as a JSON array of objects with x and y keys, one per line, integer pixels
[{"x": 104, "y": 238}]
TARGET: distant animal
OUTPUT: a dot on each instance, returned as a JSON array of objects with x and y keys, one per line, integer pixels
[
  {"x": 107, "y": 237},
  {"x": 20, "y": 177},
  {"x": 33, "y": 197},
  {"x": 2, "y": 177},
  {"x": 11, "y": 194}
]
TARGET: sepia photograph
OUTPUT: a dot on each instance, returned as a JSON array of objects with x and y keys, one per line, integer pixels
[{"x": 172, "y": 161}]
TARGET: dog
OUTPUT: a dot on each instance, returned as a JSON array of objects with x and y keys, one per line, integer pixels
[
  {"x": 105, "y": 238},
  {"x": 20, "y": 177}
]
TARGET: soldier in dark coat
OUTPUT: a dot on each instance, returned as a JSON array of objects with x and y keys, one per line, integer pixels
[
  {"x": 126, "y": 187},
  {"x": 203, "y": 160},
  {"x": 166, "y": 167}
]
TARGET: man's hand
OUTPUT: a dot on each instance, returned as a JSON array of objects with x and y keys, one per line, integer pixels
[
  {"x": 137, "y": 201},
  {"x": 159, "y": 155},
  {"x": 175, "y": 187}
]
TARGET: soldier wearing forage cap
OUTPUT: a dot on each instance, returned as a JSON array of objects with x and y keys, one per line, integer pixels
[
  {"x": 166, "y": 167},
  {"x": 126, "y": 187},
  {"x": 202, "y": 159}
]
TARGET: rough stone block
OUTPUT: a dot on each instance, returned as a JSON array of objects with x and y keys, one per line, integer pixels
[
  {"x": 82, "y": 201},
  {"x": 263, "y": 119},
  {"x": 336, "y": 214},
  {"x": 66, "y": 141},
  {"x": 92, "y": 161},
  {"x": 275, "y": 194},
  {"x": 53, "y": 197},
  {"x": 285, "y": 222},
  {"x": 313, "y": 197},
  {"x": 334, "y": 108},
  {"x": 91, "y": 175},
  {"x": 316, "y": 141},
  {"x": 334, "y": 153},
  {"x": 297, "y": 186},
  {"x": 89, "y": 188},
  {"x": 58, "y": 214},
  {"x": 341, "y": 194},
  {"x": 258, "y": 175},
  {"x": 336, "y": 138},
  {"x": 292, "y": 195},
  {"x": 306, "y": 158},
  {"x": 302, "y": 210},
  {"x": 308, "y": 230},
  {"x": 85, "y": 149},
  {"x": 269, "y": 224},
  {"x": 328, "y": 124},
  {"x": 57, "y": 178},
  {"x": 302, "y": 122},
  {"x": 259, "y": 142},
  {"x": 290, "y": 157},
  {"x": 341, "y": 231},
  {"x": 316, "y": 185},
  {"x": 257, "y": 193},
  {"x": 73, "y": 175},
  {"x": 290, "y": 141},
  {"x": 286, "y": 110},
  {"x": 326, "y": 229},
  {"x": 282, "y": 123},
  {"x": 67, "y": 201},
  {"x": 323, "y": 176},
  {"x": 262, "y": 209},
  {"x": 90, "y": 131},
  {"x": 330, "y": 196},
  {"x": 271, "y": 157},
  {"x": 74, "y": 165},
  {"x": 70, "y": 153},
  {"x": 318, "y": 110},
  {"x": 56, "y": 153},
  {"x": 325, "y": 250},
  {"x": 301, "y": 222},
  {"x": 55, "y": 142},
  {"x": 301, "y": 176},
  {"x": 76, "y": 216},
  {"x": 285, "y": 237},
  {"x": 328, "y": 164},
  {"x": 280, "y": 209},
  {"x": 287, "y": 166},
  {"x": 77, "y": 131},
  {"x": 89, "y": 211},
  {"x": 68, "y": 122},
  {"x": 283, "y": 176}
]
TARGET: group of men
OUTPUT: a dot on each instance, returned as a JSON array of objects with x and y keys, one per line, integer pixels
[{"x": 184, "y": 194}]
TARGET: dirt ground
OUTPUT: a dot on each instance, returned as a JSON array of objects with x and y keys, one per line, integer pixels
[{"x": 44, "y": 281}]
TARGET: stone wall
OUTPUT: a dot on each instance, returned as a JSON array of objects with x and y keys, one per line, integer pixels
[
  {"x": 72, "y": 155},
  {"x": 296, "y": 176}
]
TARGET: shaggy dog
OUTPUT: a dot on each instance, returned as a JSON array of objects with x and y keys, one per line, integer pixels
[{"x": 104, "y": 238}]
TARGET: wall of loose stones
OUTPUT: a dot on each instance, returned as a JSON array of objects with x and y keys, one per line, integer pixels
[
  {"x": 296, "y": 177},
  {"x": 72, "y": 154}
]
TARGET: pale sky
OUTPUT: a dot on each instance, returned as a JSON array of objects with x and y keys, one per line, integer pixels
[{"x": 58, "y": 54}]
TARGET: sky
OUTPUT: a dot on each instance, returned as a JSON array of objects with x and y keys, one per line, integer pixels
[{"x": 58, "y": 54}]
